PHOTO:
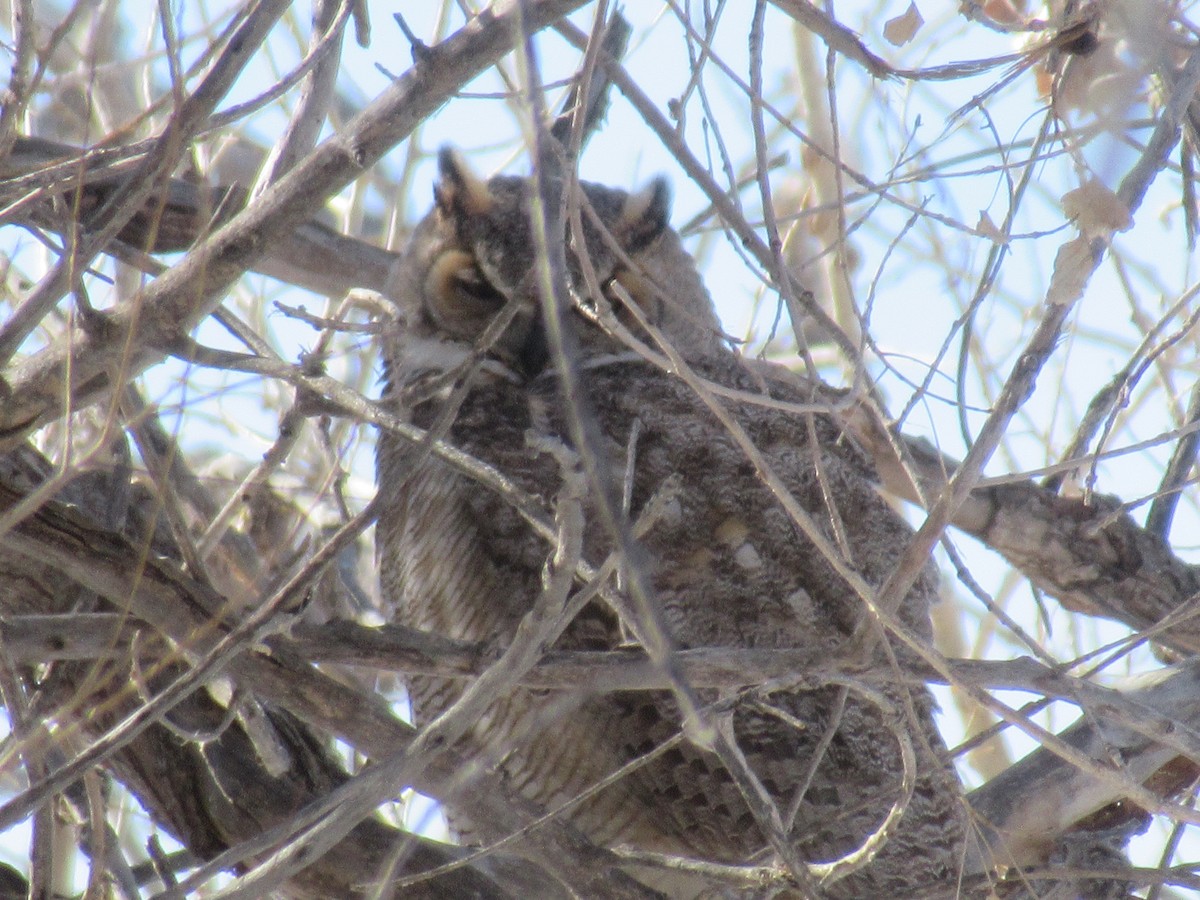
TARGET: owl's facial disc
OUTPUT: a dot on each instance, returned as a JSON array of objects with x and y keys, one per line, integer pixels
[
  {"x": 487, "y": 256},
  {"x": 462, "y": 302},
  {"x": 460, "y": 298}
]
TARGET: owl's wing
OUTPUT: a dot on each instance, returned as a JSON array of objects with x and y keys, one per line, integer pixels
[
  {"x": 729, "y": 568},
  {"x": 459, "y": 560},
  {"x": 732, "y": 568}
]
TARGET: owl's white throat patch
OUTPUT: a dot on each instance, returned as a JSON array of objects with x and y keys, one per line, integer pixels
[{"x": 424, "y": 357}]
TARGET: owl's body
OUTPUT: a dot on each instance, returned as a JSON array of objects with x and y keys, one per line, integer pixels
[{"x": 727, "y": 564}]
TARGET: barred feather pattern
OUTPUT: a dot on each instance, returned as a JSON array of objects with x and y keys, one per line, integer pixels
[{"x": 727, "y": 564}]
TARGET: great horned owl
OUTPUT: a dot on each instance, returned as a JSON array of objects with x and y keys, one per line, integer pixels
[{"x": 728, "y": 566}]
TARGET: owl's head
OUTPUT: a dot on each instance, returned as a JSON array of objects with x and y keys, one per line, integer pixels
[{"x": 472, "y": 258}]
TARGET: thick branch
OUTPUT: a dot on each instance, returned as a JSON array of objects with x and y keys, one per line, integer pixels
[
  {"x": 155, "y": 591},
  {"x": 1092, "y": 556},
  {"x": 1155, "y": 730},
  {"x": 190, "y": 290},
  {"x": 312, "y": 256}
]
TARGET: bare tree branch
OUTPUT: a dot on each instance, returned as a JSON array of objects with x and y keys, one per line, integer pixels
[{"x": 172, "y": 304}]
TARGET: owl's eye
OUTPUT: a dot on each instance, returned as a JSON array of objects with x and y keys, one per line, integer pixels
[
  {"x": 459, "y": 297},
  {"x": 470, "y": 281}
]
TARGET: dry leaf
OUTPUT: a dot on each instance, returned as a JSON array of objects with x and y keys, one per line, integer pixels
[
  {"x": 1095, "y": 210},
  {"x": 985, "y": 227},
  {"x": 1073, "y": 266},
  {"x": 1045, "y": 80},
  {"x": 1002, "y": 12},
  {"x": 900, "y": 30}
]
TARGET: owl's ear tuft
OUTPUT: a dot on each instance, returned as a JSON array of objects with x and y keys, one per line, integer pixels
[
  {"x": 644, "y": 216},
  {"x": 459, "y": 192}
]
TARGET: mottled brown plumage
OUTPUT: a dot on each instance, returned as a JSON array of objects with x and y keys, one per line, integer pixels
[{"x": 728, "y": 565}]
